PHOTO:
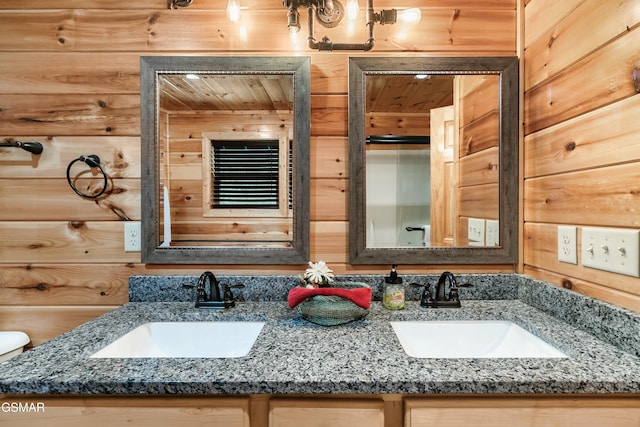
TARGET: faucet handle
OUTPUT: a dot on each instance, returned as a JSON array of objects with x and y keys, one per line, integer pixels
[
  {"x": 453, "y": 291},
  {"x": 427, "y": 298},
  {"x": 227, "y": 295}
]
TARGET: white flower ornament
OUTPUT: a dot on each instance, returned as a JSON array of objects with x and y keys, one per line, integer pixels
[{"x": 318, "y": 273}]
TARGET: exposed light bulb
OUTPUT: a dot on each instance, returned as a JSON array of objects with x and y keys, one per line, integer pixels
[
  {"x": 352, "y": 9},
  {"x": 410, "y": 16},
  {"x": 233, "y": 10},
  {"x": 293, "y": 34},
  {"x": 293, "y": 23}
]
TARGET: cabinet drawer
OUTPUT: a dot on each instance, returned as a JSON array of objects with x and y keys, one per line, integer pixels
[{"x": 326, "y": 412}]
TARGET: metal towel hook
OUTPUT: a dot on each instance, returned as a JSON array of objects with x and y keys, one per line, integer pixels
[
  {"x": 32, "y": 147},
  {"x": 92, "y": 161}
]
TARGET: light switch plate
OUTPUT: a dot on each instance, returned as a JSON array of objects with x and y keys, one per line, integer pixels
[
  {"x": 476, "y": 232},
  {"x": 567, "y": 244},
  {"x": 611, "y": 249},
  {"x": 492, "y": 232}
]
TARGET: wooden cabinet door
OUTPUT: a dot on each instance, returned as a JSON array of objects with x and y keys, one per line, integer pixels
[
  {"x": 326, "y": 413},
  {"x": 37, "y": 411},
  {"x": 522, "y": 412}
]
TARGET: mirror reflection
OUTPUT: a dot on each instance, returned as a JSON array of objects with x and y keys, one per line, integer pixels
[
  {"x": 230, "y": 139},
  {"x": 431, "y": 158},
  {"x": 226, "y": 160}
]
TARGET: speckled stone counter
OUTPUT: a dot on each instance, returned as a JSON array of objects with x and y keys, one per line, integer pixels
[{"x": 294, "y": 356}]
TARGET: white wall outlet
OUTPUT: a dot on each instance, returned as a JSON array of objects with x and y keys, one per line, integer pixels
[
  {"x": 492, "y": 232},
  {"x": 567, "y": 244},
  {"x": 611, "y": 249},
  {"x": 132, "y": 236},
  {"x": 476, "y": 232}
]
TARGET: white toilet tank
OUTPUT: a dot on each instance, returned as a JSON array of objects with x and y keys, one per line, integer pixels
[{"x": 12, "y": 343}]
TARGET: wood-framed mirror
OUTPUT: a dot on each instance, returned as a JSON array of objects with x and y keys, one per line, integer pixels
[
  {"x": 226, "y": 147},
  {"x": 433, "y": 160}
]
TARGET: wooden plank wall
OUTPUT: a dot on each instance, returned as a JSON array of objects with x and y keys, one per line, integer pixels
[
  {"x": 581, "y": 151},
  {"x": 69, "y": 77},
  {"x": 478, "y": 193}
]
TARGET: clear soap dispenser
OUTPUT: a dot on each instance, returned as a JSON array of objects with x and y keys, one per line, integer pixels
[{"x": 393, "y": 291}]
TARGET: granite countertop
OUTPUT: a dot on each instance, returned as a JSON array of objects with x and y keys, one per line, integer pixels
[{"x": 363, "y": 357}]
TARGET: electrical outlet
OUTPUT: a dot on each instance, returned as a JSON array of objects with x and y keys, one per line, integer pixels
[
  {"x": 476, "y": 232},
  {"x": 132, "y": 238},
  {"x": 492, "y": 232},
  {"x": 567, "y": 244},
  {"x": 612, "y": 249}
]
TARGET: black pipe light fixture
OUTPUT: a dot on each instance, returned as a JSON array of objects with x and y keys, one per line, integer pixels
[
  {"x": 179, "y": 3},
  {"x": 329, "y": 13}
]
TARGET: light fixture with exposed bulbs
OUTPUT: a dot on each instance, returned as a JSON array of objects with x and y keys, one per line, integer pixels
[{"x": 329, "y": 13}]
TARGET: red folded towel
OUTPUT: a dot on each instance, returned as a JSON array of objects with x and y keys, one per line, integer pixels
[{"x": 359, "y": 296}]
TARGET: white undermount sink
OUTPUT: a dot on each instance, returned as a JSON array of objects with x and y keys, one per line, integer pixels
[
  {"x": 470, "y": 339},
  {"x": 185, "y": 339}
]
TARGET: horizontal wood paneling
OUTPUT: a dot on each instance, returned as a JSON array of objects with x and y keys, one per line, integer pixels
[
  {"x": 61, "y": 114},
  {"x": 606, "y": 136},
  {"x": 581, "y": 157},
  {"x": 566, "y": 43},
  {"x": 397, "y": 124},
  {"x": 53, "y": 284},
  {"x": 27, "y": 197},
  {"x": 64, "y": 241},
  {"x": 145, "y": 30},
  {"x": 329, "y": 199},
  {"x": 542, "y": 15},
  {"x": 249, "y": 4},
  {"x": 480, "y": 134},
  {"x": 604, "y": 196},
  {"x": 42, "y": 323},
  {"x": 597, "y": 80},
  {"x": 119, "y": 156},
  {"x": 480, "y": 201},
  {"x": 70, "y": 79},
  {"x": 626, "y": 300},
  {"x": 480, "y": 168},
  {"x": 329, "y": 157}
]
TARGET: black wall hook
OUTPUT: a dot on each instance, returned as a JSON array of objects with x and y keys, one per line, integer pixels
[{"x": 32, "y": 147}]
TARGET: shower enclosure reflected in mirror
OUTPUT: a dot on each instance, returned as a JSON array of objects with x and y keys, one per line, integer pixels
[
  {"x": 433, "y": 160},
  {"x": 227, "y": 139}
]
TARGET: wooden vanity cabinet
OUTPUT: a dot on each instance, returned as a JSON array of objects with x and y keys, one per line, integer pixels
[
  {"x": 550, "y": 411},
  {"x": 45, "y": 411},
  {"x": 323, "y": 411},
  {"x": 310, "y": 412}
]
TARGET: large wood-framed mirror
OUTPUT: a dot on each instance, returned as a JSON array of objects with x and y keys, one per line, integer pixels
[
  {"x": 433, "y": 160},
  {"x": 225, "y": 143}
]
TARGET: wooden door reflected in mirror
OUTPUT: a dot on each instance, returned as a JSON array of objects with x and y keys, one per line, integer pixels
[{"x": 433, "y": 160}]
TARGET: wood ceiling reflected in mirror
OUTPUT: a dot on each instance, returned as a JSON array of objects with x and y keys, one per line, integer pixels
[
  {"x": 228, "y": 140},
  {"x": 433, "y": 151}
]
